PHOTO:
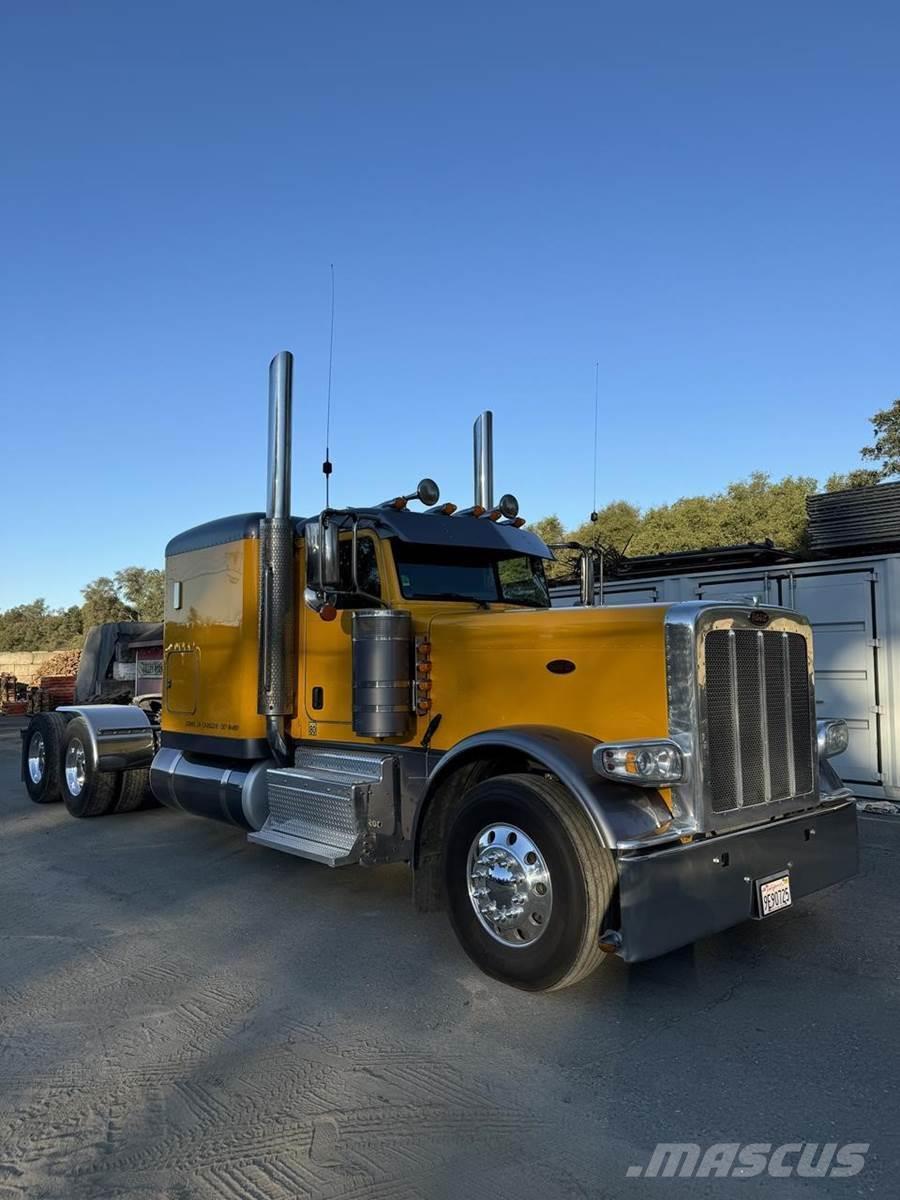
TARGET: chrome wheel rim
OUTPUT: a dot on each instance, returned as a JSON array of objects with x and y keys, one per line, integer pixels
[
  {"x": 37, "y": 754},
  {"x": 75, "y": 766},
  {"x": 509, "y": 885}
]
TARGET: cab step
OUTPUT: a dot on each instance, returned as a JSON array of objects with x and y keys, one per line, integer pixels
[
  {"x": 322, "y": 808},
  {"x": 331, "y": 856}
]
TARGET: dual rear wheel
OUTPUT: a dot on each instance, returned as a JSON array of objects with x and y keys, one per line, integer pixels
[{"x": 60, "y": 764}]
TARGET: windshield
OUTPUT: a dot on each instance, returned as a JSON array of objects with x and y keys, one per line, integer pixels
[{"x": 461, "y": 573}]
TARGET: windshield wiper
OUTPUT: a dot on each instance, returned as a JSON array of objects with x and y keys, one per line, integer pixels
[{"x": 456, "y": 596}]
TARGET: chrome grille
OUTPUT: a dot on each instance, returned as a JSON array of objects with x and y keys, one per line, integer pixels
[{"x": 758, "y": 710}]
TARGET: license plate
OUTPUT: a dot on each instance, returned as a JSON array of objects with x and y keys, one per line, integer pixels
[{"x": 774, "y": 894}]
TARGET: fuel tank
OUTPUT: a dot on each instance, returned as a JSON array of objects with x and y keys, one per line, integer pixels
[{"x": 221, "y": 789}]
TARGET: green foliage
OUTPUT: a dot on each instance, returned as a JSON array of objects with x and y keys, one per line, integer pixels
[
  {"x": 885, "y": 450},
  {"x": 143, "y": 588},
  {"x": 615, "y": 526},
  {"x": 750, "y": 510},
  {"x": 102, "y": 603},
  {"x": 862, "y": 477},
  {"x": 133, "y": 594},
  {"x": 550, "y": 530},
  {"x": 34, "y": 626}
]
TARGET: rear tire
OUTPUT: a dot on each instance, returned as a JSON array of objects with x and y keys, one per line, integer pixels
[
  {"x": 528, "y": 883},
  {"x": 134, "y": 792},
  {"x": 86, "y": 790},
  {"x": 42, "y": 757}
]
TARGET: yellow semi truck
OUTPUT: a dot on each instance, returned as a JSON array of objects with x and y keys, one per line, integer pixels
[{"x": 382, "y": 684}]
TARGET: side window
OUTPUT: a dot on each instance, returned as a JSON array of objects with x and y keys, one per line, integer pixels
[
  {"x": 522, "y": 581},
  {"x": 367, "y": 577}
]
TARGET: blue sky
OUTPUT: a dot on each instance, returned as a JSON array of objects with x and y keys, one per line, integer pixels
[{"x": 702, "y": 196}]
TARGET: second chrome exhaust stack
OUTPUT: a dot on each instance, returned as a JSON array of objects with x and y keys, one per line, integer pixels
[
  {"x": 277, "y": 667},
  {"x": 484, "y": 460}
]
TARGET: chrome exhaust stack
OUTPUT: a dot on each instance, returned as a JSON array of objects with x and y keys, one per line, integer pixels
[
  {"x": 277, "y": 667},
  {"x": 484, "y": 461},
  {"x": 587, "y": 579}
]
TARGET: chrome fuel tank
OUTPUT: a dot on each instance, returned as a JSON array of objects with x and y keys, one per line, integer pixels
[{"x": 219, "y": 789}]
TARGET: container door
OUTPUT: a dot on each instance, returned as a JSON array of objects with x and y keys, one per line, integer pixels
[{"x": 841, "y": 608}]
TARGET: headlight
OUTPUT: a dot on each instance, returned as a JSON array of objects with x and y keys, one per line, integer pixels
[
  {"x": 655, "y": 762},
  {"x": 833, "y": 738}
]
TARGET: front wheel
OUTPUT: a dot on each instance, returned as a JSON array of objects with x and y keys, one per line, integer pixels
[{"x": 528, "y": 883}]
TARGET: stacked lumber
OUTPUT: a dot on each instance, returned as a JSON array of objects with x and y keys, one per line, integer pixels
[
  {"x": 61, "y": 662},
  {"x": 13, "y": 696},
  {"x": 50, "y": 692},
  {"x": 59, "y": 689}
]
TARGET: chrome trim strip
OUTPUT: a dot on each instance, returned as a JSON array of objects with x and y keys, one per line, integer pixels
[
  {"x": 788, "y": 714},
  {"x": 763, "y": 715},
  {"x": 735, "y": 721}
]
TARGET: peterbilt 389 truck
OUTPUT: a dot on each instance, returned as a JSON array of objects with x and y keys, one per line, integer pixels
[{"x": 381, "y": 684}]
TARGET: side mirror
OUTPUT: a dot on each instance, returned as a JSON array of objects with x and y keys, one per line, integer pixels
[{"x": 322, "y": 555}]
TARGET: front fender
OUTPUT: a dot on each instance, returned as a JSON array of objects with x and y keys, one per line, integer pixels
[{"x": 617, "y": 811}]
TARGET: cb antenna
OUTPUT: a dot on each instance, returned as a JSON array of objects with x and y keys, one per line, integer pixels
[
  {"x": 326, "y": 465},
  {"x": 596, "y": 432}
]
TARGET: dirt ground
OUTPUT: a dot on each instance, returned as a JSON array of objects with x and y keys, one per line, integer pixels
[{"x": 185, "y": 1015}]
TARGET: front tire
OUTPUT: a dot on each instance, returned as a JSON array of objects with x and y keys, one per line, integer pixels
[
  {"x": 42, "y": 755},
  {"x": 86, "y": 790},
  {"x": 528, "y": 883}
]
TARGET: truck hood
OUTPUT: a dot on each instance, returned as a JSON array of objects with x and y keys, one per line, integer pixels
[{"x": 600, "y": 671}]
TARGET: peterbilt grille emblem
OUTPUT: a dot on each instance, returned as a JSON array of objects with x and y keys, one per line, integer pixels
[{"x": 758, "y": 617}]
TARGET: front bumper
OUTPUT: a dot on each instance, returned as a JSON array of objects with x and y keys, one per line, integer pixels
[{"x": 673, "y": 896}]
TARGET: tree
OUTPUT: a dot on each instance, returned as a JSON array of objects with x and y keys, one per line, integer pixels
[
  {"x": 615, "y": 526},
  {"x": 34, "y": 626},
  {"x": 550, "y": 530},
  {"x": 688, "y": 524},
  {"x": 750, "y": 510},
  {"x": 862, "y": 477},
  {"x": 24, "y": 626},
  {"x": 66, "y": 629},
  {"x": 102, "y": 603},
  {"x": 760, "y": 508},
  {"x": 885, "y": 450},
  {"x": 143, "y": 589}
]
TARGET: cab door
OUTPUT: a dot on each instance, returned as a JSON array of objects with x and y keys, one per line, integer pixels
[
  {"x": 182, "y": 671},
  {"x": 327, "y": 673}
]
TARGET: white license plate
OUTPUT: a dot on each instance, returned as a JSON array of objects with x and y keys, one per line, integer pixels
[{"x": 774, "y": 894}]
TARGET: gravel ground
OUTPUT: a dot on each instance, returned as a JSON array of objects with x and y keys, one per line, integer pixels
[{"x": 185, "y": 1015}]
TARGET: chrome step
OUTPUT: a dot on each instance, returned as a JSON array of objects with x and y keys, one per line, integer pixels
[
  {"x": 331, "y": 856},
  {"x": 324, "y": 807},
  {"x": 351, "y": 765}
]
